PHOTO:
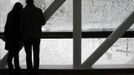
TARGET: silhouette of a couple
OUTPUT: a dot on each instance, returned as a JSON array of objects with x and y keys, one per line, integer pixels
[{"x": 24, "y": 26}]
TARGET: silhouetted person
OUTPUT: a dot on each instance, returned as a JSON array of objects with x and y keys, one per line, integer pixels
[
  {"x": 32, "y": 19},
  {"x": 12, "y": 36}
]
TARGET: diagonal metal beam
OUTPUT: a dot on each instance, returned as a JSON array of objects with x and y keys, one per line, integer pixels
[
  {"x": 3, "y": 61},
  {"x": 109, "y": 42},
  {"x": 53, "y": 8}
]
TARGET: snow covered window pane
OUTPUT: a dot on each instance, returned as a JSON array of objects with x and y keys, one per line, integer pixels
[
  {"x": 120, "y": 53},
  {"x": 105, "y": 15},
  {"x": 53, "y": 52},
  {"x": 62, "y": 20}
]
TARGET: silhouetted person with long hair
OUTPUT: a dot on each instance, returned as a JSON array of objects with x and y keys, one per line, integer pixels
[
  {"x": 12, "y": 37},
  {"x": 32, "y": 19}
]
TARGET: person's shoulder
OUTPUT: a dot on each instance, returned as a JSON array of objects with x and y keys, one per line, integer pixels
[
  {"x": 23, "y": 10},
  {"x": 38, "y": 9},
  {"x": 10, "y": 14}
]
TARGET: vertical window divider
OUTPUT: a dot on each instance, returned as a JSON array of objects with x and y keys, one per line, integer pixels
[{"x": 76, "y": 34}]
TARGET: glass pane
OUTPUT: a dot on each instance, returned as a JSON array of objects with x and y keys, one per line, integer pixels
[
  {"x": 61, "y": 21},
  {"x": 120, "y": 53},
  {"x": 53, "y": 52},
  {"x": 89, "y": 46},
  {"x": 2, "y": 49},
  {"x": 5, "y": 7},
  {"x": 104, "y": 15}
]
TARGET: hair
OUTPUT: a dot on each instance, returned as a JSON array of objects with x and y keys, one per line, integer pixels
[
  {"x": 29, "y": 1},
  {"x": 18, "y": 6}
]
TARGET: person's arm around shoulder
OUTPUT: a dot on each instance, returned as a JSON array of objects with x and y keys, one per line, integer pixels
[{"x": 42, "y": 19}]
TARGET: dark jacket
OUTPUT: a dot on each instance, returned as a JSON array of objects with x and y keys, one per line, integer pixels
[
  {"x": 32, "y": 20},
  {"x": 12, "y": 31}
]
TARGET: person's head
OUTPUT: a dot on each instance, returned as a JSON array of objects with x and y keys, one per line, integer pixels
[
  {"x": 29, "y": 1},
  {"x": 17, "y": 7}
]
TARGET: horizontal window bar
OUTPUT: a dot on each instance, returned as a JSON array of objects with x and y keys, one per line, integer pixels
[{"x": 90, "y": 34}]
